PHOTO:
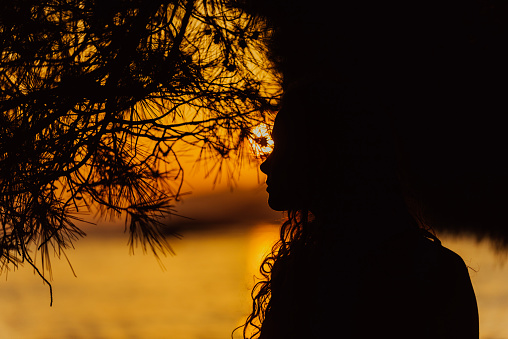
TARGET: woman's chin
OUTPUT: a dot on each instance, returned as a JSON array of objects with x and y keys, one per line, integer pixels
[
  {"x": 276, "y": 204},
  {"x": 286, "y": 199}
]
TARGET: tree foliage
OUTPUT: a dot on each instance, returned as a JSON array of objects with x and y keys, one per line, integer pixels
[{"x": 94, "y": 96}]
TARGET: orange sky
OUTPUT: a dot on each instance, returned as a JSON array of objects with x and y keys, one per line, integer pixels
[
  {"x": 240, "y": 200},
  {"x": 210, "y": 202}
]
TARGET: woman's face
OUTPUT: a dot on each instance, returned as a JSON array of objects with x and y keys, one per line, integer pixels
[{"x": 287, "y": 168}]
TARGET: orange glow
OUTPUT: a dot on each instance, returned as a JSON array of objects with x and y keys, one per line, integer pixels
[{"x": 261, "y": 141}]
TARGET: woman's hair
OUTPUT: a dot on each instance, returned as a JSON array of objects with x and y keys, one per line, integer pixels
[
  {"x": 357, "y": 167},
  {"x": 405, "y": 73},
  {"x": 345, "y": 142},
  {"x": 295, "y": 234},
  {"x": 301, "y": 239}
]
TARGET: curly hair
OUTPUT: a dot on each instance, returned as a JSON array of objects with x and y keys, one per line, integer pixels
[
  {"x": 302, "y": 239},
  {"x": 295, "y": 234}
]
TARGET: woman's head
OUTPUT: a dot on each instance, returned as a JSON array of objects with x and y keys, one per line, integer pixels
[
  {"x": 304, "y": 148},
  {"x": 330, "y": 144}
]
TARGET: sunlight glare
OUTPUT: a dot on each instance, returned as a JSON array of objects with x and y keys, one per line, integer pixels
[{"x": 261, "y": 141}]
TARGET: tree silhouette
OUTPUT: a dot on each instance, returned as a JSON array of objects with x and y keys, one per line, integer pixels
[{"x": 94, "y": 97}]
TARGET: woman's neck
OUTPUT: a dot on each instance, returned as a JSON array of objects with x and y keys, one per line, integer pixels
[{"x": 373, "y": 214}]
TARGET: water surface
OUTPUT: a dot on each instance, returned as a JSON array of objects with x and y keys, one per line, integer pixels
[{"x": 203, "y": 293}]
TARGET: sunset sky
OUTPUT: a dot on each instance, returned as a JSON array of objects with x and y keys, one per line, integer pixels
[
  {"x": 243, "y": 199},
  {"x": 208, "y": 200},
  {"x": 198, "y": 82}
]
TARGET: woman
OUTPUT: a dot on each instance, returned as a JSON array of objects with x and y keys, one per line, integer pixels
[{"x": 351, "y": 261}]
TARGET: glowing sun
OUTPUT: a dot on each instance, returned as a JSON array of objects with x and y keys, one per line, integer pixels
[{"x": 261, "y": 141}]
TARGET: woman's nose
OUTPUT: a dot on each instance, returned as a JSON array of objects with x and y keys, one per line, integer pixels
[{"x": 265, "y": 166}]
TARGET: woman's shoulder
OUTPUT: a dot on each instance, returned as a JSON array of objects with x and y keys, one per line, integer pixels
[
  {"x": 432, "y": 251},
  {"x": 449, "y": 287},
  {"x": 416, "y": 252}
]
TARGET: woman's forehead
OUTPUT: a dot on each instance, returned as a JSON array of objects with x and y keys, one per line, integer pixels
[
  {"x": 278, "y": 129},
  {"x": 290, "y": 126}
]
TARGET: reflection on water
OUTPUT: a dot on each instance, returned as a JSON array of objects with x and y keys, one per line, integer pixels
[{"x": 203, "y": 293}]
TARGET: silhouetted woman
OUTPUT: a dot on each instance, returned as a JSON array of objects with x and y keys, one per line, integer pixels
[{"x": 351, "y": 261}]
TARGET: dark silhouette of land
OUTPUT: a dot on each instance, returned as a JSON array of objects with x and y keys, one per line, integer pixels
[{"x": 223, "y": 209}]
